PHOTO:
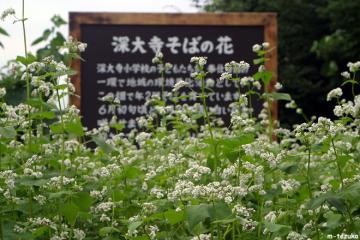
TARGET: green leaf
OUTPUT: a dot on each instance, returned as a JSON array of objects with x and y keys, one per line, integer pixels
[
  {"x": 351, "y": 81},
  {"x": 3, "y": 32},
  {"x": 60, "y": 86},
  {"x": 7, "y": 132},
  {"x": 132, "y": 172},
  {"x": 280, "y": 230},
  {"x": 351, "y": 194},
  {"x": 58, "y": 20},
  {"x": 333, "y": 220},
  {"x": 103, "y": 232},
  {"x": 36, "y": 103},
  {"x": 43, "y": 115},
  {"x": 143, "y": 237},
  {"x": 258, "y": 61},
  {"x": 289, "y": 168},
  {"x": 174, "y": 217},
  {"x": 225, "y": 221},
  {"x": 58, "y": 41},
  {"x": 211, "y": 162},
  {"x": 75, "y": 128},
  {"x": 107, "y": 148},
  {"x": 279, "y": 96},
  {"x": 37, "y": 41},
  {"x": 200, "y": 213},
  {"x": 83, "y": 201},
  {"x": 60, "y": 194},
  {"x": 134, "y": 225},
  {"x": 26, "y": 61},
  {"x": 230, "y": 147},
  {"x": 343, "y": 160},
  {"x": 317, "y": 202},
  {"x": 70, "y": 212},
  {"x": 118, "y": 126},
  {"x": 56, "y": 128},
  {"x": 40, "y": 231},
  {"x": 30, "y": 181},
  {"x": 220, "y": 211},
  {"x": 44, "y": 37},
  {"x": 338, "y": 203},
  {"x": 264, "y": 76},
  {"x": 196, "y": 214}
]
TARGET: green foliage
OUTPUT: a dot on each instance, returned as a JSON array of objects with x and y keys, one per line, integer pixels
[
  {"x": 49, "y": 43},
  {"x": 198, "y": 180},
  {"x": 4, "y": 33},
  {"x": 53, "y": 40},
  {"x": 312, "y": 36}
]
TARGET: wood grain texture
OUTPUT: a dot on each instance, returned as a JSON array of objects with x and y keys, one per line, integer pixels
[{"x": 267, "y": 20}]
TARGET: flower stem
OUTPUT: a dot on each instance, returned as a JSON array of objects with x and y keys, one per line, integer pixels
[
  {"x": 62, "y": 139},
  {"x": 308, "y": 171},
  {"x": 25, "y": 49},
  {"x": 270, "y": 124},
  {"x": 203, "y": 97},
  {"x": 337, "y": 163}
]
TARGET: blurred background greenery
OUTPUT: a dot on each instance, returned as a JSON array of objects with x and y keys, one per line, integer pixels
[{"x": 316, "y": 39}]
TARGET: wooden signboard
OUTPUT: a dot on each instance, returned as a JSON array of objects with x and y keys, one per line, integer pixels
[{"x": 122, "y": 45}]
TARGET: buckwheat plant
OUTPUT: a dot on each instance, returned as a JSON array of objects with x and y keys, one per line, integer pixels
[{"x": 181, "y": 174}]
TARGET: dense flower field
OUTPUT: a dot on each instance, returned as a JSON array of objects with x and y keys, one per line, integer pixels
[{"x": 251, "y": 180}]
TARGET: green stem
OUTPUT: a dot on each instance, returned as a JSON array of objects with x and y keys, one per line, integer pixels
[
  {"x": 250, "y": 102},
  {"x": 237, "y": 83},
  {"x": 342, "y": 184},
  {"x": 353, "y": 86},
  {"x": 25, "y": 49},
  {"x": 233, "y": 231},
  {"x": 30, "y": 203},
  {"x": 310, "y": 191},
  {"x": 1, "y": 228},
  {"x": 62, "y": 139},
  {"x": 26, "y": 71},
  {"x": 308, "y": 171},
  {"x": 163, "y": 82},
  {"x": 270, "y": 125},
  {"x": 337, "y": 163},
  {"x": 260, "y": 219},
  {"x": 211, "y": 232},
  {"x": 208, "y": 122}
]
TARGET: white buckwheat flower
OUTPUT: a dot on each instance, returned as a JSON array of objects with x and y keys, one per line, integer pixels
[
  {"x": 335, "y": 93},
  {"x": 202, "y": 237},
  {"x": 271, "y": 217},
  {"x": 158, "y": 58},
  {"x": 291, "y": 104},
  {"x": 201, "y": 61},
  {"x": 210, "y": 82},
  {"x": 265, "y": 45},
  {"x": 225, "y": 76},
  {"x": 79, "y": 234},
  {"x": 2, "y": 92},
  {"x": 179, "y": 85},
  {"x": 345, "y": 74},
  {"x": 153, "y": 230},
  {"x": 256, "y": 48},
  {"x": 278, "y": 86}
]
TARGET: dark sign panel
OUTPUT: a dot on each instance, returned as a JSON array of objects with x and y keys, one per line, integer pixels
[{"x": 118, "y": 59}]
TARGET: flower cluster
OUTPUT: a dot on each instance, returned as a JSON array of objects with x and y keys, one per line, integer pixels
[{"x": 182, "y": 174}]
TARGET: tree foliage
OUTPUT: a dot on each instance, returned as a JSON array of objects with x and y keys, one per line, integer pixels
[{"x": 314, "y": 36}]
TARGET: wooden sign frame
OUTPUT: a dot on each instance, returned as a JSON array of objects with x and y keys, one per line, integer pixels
[{"x": 267, "y": 20}]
